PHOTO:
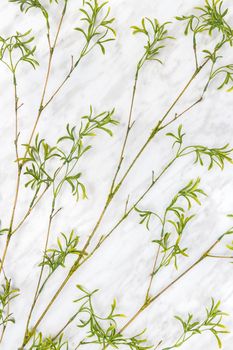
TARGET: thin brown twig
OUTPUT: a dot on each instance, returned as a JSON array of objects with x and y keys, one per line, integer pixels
[
  {"x": 159, "y": 343},
  {"x": 128, "y": 128},
  {"x": 152, "y": 273},
  {"x": 31, "y": 207},
  {"x": 51, "y": 216}
]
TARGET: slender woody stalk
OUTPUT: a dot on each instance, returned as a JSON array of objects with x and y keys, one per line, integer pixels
[
  {"x": 36, "y": 295},
  {"x": 152, "y": 273},
  {"x": 129, "y": 125},
  {"x": 32, "y": 205}
]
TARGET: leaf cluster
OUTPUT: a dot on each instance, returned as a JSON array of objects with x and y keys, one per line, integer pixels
[
  {"x": 209, "y": 17},
  {"x": 146, "y": 216},
  {"x": 101, "y": 122},
  {"x": 44, "y": 162},
  {"x": 227, "y": 72},
  {"x": 16, "y": 49},
  {"x": 173, "y": 223},
  {"x": 212, "y": 323},
  {"x": 98, "y": 28},
  {"x": 156, "y": 35},
  {"x": 90, "y": 124},
  {"x": 217, "y": 156},
  {"x": 7, "y": 294},
  {"x": 102, "y": 330},
  {"x": 176, "y": 218},
  {"x": 56, "y": 257},
  {"x": 178, "y": 139},
  {"x": 77, "y": 187},
  {"x": 41, "y": 343},
  {"x": 38, "y": 157}
]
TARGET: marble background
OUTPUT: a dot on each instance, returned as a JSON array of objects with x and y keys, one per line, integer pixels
[{"x": 121, "y": 267}]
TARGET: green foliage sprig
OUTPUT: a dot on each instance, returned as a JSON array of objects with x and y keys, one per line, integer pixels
[
  {"x": 146, "y": 216},
  {"x": 102, "y": 330},
  {"x": 156, "y": 35},
  {"x": 210, "y": 18},
  {"x": 26, "y": 5},
  {"x": 217, "y": 156},
  {"x": 227, "y": 72},
  {"x": 98, "y": 30},
  {"x": 38, "y": 157},
  {"x": 212, "y": 324},
  {"x": 175, "y": 217},
  {"x": 16, "y": 49},
  {"x": 56, "y": 257},
  {"x": 41, "y": 343},
  {"x": 89, "y": 126},
  {"x": 67, "y": 152},
  {"x": 7, "y": 294}
]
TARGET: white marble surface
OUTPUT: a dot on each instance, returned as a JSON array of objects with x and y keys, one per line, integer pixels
[{"x": 122, "y": 265}]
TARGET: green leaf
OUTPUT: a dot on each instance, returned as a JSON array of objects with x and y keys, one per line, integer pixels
[{"x": 211, "y": 323}]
